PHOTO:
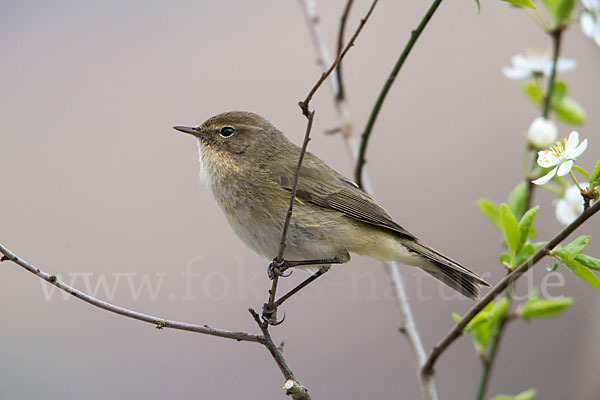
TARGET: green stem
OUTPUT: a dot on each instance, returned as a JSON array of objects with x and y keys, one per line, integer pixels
[
  {"x": 493, "y": 349},
  {"x": 386, "y": 88},
  {"x": 556, "y": 36},
  {"x": 575, "y": 180}
]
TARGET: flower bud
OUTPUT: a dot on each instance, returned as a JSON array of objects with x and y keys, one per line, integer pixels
[{"x": 542, "y": 133}]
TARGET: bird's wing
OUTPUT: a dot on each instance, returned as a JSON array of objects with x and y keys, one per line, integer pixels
[{"x": 322, "y": 186}]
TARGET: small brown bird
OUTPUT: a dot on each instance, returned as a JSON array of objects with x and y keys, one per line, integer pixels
[{"x": 249, "y": 166}]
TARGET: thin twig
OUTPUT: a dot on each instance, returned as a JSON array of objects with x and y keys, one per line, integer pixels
[
  {"x": 457, "y": 330},
  {"x": 270, "y": 305},
  {"x": 158, "y": 322},
  {"x": 386, "y": 88},
  {"x": 407, "y": 322},
  {"x": 268, "y": 342},
  {"x": 288, "y": 217},
  {"x": 340, "y": 46},
  {"x": 161, "y": 323},
  {"x": 304, "y": 104},
  {"x": 292, "y": 387}
]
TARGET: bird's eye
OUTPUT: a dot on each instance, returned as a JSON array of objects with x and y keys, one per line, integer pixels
[{"x": 227, "y": 131}]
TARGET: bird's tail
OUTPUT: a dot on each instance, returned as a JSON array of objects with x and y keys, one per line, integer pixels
[{"x": 447, "y": 270}]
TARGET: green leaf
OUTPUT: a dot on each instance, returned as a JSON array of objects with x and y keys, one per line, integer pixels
[
  {"x": 524, "y": 254},
  {"x": 563, "y": 10},
  {"x": 525, "y": 224},
  {"x": 560, "y": 9},
  {"x": 522, "y": 3},
  {"x": 595, "y": 180},
  {"x": 490, "y": 210},
  {"x": 478, "y": 6},
  {"x": 559, "y": 91},
  {"x": 582, "y": 272},
  {"x": 497, "y": 312},
  {"x": 570, "y": 251},
  {"x": 588, "y": 261},
  {"x": 553, "y": 267},
  {"x": 510, "y": 229},
  {"x": 582, "y": 171},
  {"x": 534, "y": 93},
  {"x": 479, "y": 319},
  {"x": 544, "y": 308},
  {"x": 505, "y": 260},
  {"x": 569, "y": 112},
  {"x": 517, "y": 200},
  {"x": 528, "y": 395}
]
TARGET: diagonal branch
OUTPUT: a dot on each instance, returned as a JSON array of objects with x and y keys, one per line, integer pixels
[
  {"x": 407, "y": 323},
  {"x": 457, "y": 330},
  {"x": 269, "y": 307},
  {"x": 304, "y": 104},
  {"x": 386, "y": 88},
  {"x": 159, "y": 322},
  {"x": 293, "y": 388}
]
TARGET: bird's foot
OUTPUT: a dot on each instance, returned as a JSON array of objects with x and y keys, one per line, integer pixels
[
  {"x": 269, "y": 315},
  {"x": 276, "y": 269}
]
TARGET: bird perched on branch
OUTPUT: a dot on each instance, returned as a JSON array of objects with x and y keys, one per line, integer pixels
[{"x": 249, "y": 165}]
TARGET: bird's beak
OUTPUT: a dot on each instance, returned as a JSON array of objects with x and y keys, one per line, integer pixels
[{"x": 191, "y": 130}]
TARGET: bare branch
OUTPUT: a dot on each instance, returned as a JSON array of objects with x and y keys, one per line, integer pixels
[
  {"x": 295, "y": 389},
  {"x": 288, "y": 217},
  {"x": 304, "y": 105},
  {"x": 386, "y": 88},
  {"x": 407, "y": 323},
  {"x": 457, "y": 330},
  {"x": 160, "y": 323},
  {"x": 270, "y": 307}
]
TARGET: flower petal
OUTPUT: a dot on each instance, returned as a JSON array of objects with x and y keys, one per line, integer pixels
[
  {"x": 520, "y": 62},
  {"x": 572, "y": 142},
  {"x": 564, "y": 213},
  {"x": 597, "y": 33},
  {"x": 515, "y": 73},
  {"x": 587, "y": 24},
  {"x": 547, "y": 159},
  {"x": 564, "y": 168},
  {"x": 565, "y": 65},
  {"x": 577, "y": 151},
  {"x": 546, "y": 178},
  {"x": 542, "y": 132}
]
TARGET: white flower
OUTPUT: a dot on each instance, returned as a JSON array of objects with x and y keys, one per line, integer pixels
[
  {"x": 590, "y": 19},
  {"x": 560, "y": 156},
  {"x": 542, "y": 133},
  {"x": 535, "y": 64},
  {"x": 570, "y": 206}
]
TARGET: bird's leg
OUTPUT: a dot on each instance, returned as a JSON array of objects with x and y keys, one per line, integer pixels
[
  {"x": 269, "y": 314},
  {"x": 277, "y": 268}
]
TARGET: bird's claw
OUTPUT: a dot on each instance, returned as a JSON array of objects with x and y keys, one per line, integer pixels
[
  {"x": 273, "y": 270},
  {"x": 270, "y": 318}
]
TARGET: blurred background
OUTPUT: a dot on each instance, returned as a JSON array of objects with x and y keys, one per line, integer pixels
[{"x": 98, "y": 189}]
